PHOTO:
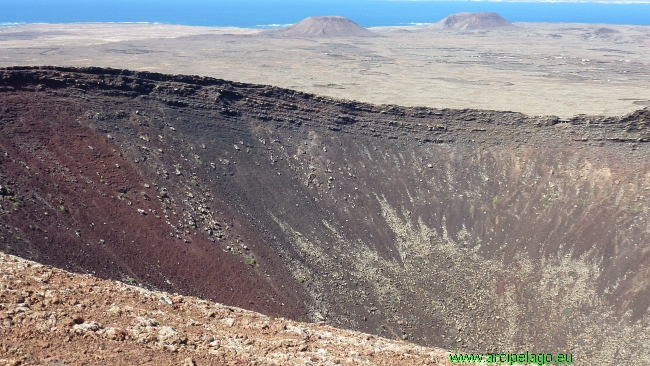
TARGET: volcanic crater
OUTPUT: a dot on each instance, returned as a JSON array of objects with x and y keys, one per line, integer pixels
[
  {"x": 322, "y": 27},
  {"x": 472, "y": 21},
  {"x": 465, "y": 229}
]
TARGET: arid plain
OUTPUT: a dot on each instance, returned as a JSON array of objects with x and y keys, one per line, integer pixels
[{"x": 534, "y": 68}]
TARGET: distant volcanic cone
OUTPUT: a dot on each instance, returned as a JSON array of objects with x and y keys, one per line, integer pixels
[
  {"x": 330, "y": 26},
  {"x": 472, "y": 21}
]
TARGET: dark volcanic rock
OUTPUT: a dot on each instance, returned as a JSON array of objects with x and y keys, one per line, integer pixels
[
  {"x": 470, "y": 229},
  {"x": 603, "y": 31},
  {"x": 322, "y": 27}
]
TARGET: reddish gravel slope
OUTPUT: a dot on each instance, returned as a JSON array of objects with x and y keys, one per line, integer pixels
[
  {"x": 80, "y": 201},
  {"x": 52, "y": 317}
]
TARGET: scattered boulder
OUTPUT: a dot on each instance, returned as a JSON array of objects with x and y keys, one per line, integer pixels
[
  {"x": 86, "y": 327},
  {"x": 147, "y": 322},
  {"x": 115, "y": 334},
  {"x": 169, "y": 336},
  {"x": 229, "y": 322}
]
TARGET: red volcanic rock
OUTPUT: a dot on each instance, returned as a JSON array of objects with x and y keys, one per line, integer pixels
[
  {"x": 117, "y": 324},
  {"x": 85, "y": 203},
  {"x": 472, "y": 21},
  {"x": 329, "y": 26}
]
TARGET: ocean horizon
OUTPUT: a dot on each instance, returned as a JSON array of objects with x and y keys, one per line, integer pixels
[{"x": 263, "y": 14}]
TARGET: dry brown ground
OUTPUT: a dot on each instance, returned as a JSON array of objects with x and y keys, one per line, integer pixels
[
  {"x": 538, "y": 69},
  {"x": 52, "y": 317}
]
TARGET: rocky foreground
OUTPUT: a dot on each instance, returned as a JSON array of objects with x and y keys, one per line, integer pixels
[{"x": 50, "y": 316}]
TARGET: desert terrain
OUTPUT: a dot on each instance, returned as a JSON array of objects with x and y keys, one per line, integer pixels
[
  {"x": 537, "y": 69},
  {"x": 472, "y": 184}
]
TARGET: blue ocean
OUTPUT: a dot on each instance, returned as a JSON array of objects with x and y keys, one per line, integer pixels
[{"x": 265, "y": 13}]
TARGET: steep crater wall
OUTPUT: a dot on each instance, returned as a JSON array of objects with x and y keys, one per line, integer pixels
[{"x": 476, "y": 230}]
